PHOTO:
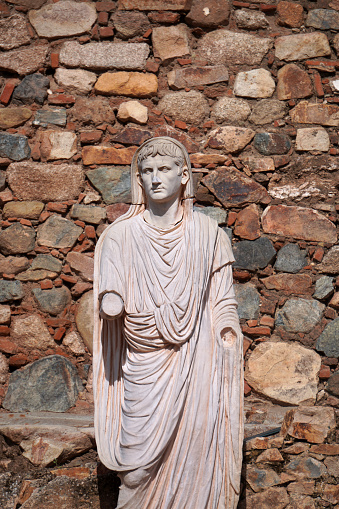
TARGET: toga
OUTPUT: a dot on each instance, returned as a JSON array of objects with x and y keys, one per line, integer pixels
[{"x": 168, "y": 388}]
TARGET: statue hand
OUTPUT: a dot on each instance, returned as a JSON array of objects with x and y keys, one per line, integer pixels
[
  {"x": 228, "y": 336},
  {"x": 112, "y": 306}
]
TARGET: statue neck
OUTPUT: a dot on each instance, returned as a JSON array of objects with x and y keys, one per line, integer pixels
[{"x": 164, "y": 215}]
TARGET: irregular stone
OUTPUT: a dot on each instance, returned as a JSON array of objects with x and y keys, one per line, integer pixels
[
  {"x": 14, "y": 146},
  {"x": 155, "y": 5},
  {"x": 250, "y": 20},
  {"x": 167, "y": 130},
  {"x": 231, "y": 139},
  {"x": 36, "y": 275},
  {"x": 293, "y": 82},
  {"x": 291, "y": 259},
  {"x": 30, "y": 4},
  {"x": 332, "y": 463},
  {"x": 88, "y": 214},
  {"x": 311, "y": 138},
  {"x": 170, "y": 42},
  {"x": 210, "y": 13},
  {"x": 330, "y": 263},
  {"x": 298, "y": 502},
  {"x": 46, "y": 262},
  {"x": 107, "y": 155},
  {"x": 290, "y": 14},
  {"x": 130, "y": 24},
  {"x": 253, "y": 255},
  {"x": 323, "y": 19},
  {"x": 4, "y": 370},
  {"x": 24, "y": 61},
  {"x": 270, "y": 456},
  {"x": 233, "y": 188},
  {"x": 55, "y": 116},
  {"x": 271, "y": 497},
  {"x": 81, "y": 264},
  {"x": 204, "y": 159},
  {"x": 101, "y": 56},
  {"x": 13, "y": 117},
  {"x": 302, "y": 46},
  {"x": 2, "y": 180},
  {"x": 298, "y": 222},
  {"x": 191, "y": 107},
  {"x": 92, "y": 110},
  {"x": 77, "y": 80},
  {"x": 247, "y": 224},
  {"x": 261, "y": 478},
  {"x": 13, "y": 264},
  {"x": 272, "y": 143},
  {"x": 63, "y": 19},
  {"x": 231, "y": 110},
  {"x": 289, "y": 283},
  {"x": 13, "y": 32},
  {"x": 134, "y": 84},
  {"x": 52, "y": 301},
  {"x": 132, "y": 136},
  {"x": 30, "y": 331},
  {"x": 41, "y": 451},
  {"x": 17, "y": 239},
  {"x": 57, "y": 145},
  {"x": 327, "y": 342},
  {"x": 301, "y": 188},
  {"x": 27, "y": 209},
  {"x": 5, "y": 314},
  {"x": 73, "y": 341},
  {"x": 305, "y": 468},
  {"x": 32, "y": 89},
  {"x": 58, "y": 232},
  {"x": 133, "y": 111},
  {"x": 39, "y": 181},
  {"x": 114, "y": 183},
  {"x": 284, "y": 372},
  {"x": 248, "y": 300},
  {"x": 216, "y": 213},
  {"x": 331, "y": 493},
  {"x": 50, "y": 384},
  {"x": 299, "y": 315},
  {"x": 255, "y": 83},
  {"x": 11, "y": 290},
  {"x": 323, "y": 288},
  {"x": 315, "y": 113},
  {"x": 268, "y": 110},
  {"x": 226, "y": 47},
  {"x": 197, "y": 76},
  {"x": 258, "y": 164},
  {"x": 84, "y": 319}
]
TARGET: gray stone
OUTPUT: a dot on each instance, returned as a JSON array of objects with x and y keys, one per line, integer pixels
[
  {"x": 272, "y": 143},
  {"x": 102, "y": 56},
  {"x": 299, "y": 315},
  {"x": 250, "y": 20},
  {"x": 32, "y": 89},
  {"x": 226, "y": 47},
  {"x": 253, "y": 255},
  {"x": 268, "y": 110},
  {"x": 113, "y": 182},
  {"x": 333, "y": 388},
  {"x": 191, "y": 107},
  {"x": 40, "y": 181},
  {"x": 328, "y": 342},
  {"x": 14, "y": 146},
  {"x": 248, "y": 300},
  {"x": 88, "y": 213},
  {"x": 302, "y": 46},
  {"x": 58, "y": 232},
  {"x": 56, "y": 116},
  {"x": 323, "y": 288},
  {"x": 63, "y": 19},
  {"x": 290, "y": 259},
  {"x": 197, "y": 76},
  {"x": 2, "y": 180},
  {"x": 231, "y": 110},
  {"x": 92, "y": 110},
  {"x": 13, "y": 32},
  {"x": 216, "y": 213},
  {"x": 79, "y": 80},
  {"x": 330, "y": 262},
  {"x": 17, "y": 239},
  {"x": 305, "y": 468},
  {"x": 24, "y": 61},
  {"x": 228, "y": 231},
  {"x": 51, "y": 384},
  {"x": 13, "y": 264},
  {"x": 261, "y": 478},
  {"x": 27, "y": 209},
  {"x": 36, "y": 275},
  {"x": 46, "y": 262},
  {"x": 52, "y": 301},
  {"x": 323, "y": 19},
  {"x": 11, "y": 290},
  {"x": 130, "y": 24},
  {"x": 84, "y": 319}
]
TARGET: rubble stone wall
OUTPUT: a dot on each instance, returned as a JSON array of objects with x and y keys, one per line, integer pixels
[{"x": 252, "y": 90}]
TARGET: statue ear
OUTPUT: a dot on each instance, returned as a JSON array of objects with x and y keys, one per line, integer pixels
[{"x": 184, "y": 175}]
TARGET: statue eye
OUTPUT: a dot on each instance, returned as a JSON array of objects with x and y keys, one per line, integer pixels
[
  {"x": 164, "y": 168},
  {"x": 147, "y": 171}
]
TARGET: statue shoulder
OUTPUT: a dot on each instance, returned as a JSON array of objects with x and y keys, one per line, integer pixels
[
  {"x": 116, "y": 232},
  {"x": 204, "y": 219}
]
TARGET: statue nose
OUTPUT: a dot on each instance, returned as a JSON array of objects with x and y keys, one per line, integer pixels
[{"x": 155, "y": 179}]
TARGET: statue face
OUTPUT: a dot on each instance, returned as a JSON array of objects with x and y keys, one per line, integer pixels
[{"x": 161, "y": 178}]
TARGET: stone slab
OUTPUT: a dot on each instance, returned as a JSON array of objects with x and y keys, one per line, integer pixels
[
  {"x": 197, "y": 76},
  {"x": 155, "y": 5},
  {"x": 113, "y": 182},
  {"x": 13, "y": 32},
  {"x": 14, "y": 146},
  {"x": 302, "y": 46},
  {"x": 24, "y": 60},
  {"x": 132, "y": 84}
]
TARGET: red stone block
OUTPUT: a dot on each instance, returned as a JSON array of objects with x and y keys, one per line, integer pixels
[
  {"x": 25, "y": 222},
  {"x": 324, "y": 372},
  {"x": 74, "y": 472},
  {"x": 164, "y": 17},
  {"x": 241, "y": 275},
  {"x": 247, "y": 388},
  {"x": 116, "y": 210},
  {"x": 318, "y": 254},
  {"x": 247, "y": 224},
  {"x": 290, "y": 14},
  {"x": 103, "y": 18},
  {"x": 244, "y": 5},
  {"x": 46, "y": 284},
  {"x": 252, "y": 323},
  {"x": 54, "y": 60},
  {"x": 106, "y": 32},
  {"x": 60, "y": 332},
  {"x": 69, "y": 279},
  {"x": 318, "y": 85},
  {"x": 256, "y": 331},
  {"x": 18, "y": 360},
  {"x": 90, "y": 136},
  {"x": 57, "y": 207},
  {"x": 58, "y": 322},
  {"x": 61, "y": 99},
  {"x": 184, "y": 61},
  {"x": 58, "y": 283},
  {"x": 4, "y": 10},
  {"x": 268, "y": 8},
  {"x": 4, "y": 330},
  {"x": 90, "y": 231},
  {"x": 180, "y": 125},
  {"x": 7, "y": 346},
  {"x": 330, "y": 313},
  {"x": 7, "y": 92},
  {"x": 267, "y": 320},
  {"x": 105, "y": 6},
  {"x": 152, "y": 67}
]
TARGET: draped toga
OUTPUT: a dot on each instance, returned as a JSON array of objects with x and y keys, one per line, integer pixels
[{"x": 168, "y": 388}]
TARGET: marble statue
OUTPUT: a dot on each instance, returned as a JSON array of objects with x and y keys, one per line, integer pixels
[{"x": 168, "y": 362}]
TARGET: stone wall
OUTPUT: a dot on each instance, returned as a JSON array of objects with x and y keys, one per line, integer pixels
[{"x": 251, "y": 90}]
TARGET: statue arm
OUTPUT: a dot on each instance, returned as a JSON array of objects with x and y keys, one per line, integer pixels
[
  {"x": 112, "y": 306},
  {"x": 111, "y": 280}
]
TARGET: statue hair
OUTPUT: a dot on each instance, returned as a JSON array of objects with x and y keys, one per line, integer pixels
[{"x": 162, "y": 148}]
